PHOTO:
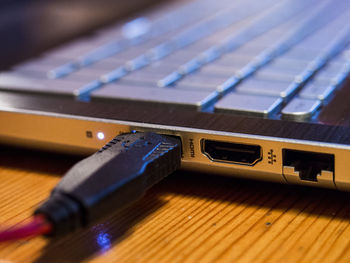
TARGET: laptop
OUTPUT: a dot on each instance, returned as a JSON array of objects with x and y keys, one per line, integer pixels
[{"x": 254, "y": 89}]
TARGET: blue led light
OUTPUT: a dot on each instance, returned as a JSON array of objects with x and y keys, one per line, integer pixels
[{"x": 104, "y": 241}]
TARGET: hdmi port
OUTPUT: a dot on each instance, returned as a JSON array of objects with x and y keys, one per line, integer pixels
[{"x": 228, "y": 152}]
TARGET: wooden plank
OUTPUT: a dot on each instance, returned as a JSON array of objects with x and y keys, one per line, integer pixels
[{"x": 186, "y": 218}]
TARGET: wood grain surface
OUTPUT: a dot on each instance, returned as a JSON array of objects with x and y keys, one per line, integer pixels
[{"x": 186, "y": 218}]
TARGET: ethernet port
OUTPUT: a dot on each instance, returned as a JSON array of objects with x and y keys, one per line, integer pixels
[{"x": 310, "y": 166}]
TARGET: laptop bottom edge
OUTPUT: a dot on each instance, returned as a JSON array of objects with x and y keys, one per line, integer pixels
[{"x": 248, "y": 156}]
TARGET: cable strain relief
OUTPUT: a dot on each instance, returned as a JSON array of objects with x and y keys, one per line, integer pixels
[{"x": 63, "y": 212}]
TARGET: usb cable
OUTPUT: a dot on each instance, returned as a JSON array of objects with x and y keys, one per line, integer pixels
[{"x": 109, "y": 180}]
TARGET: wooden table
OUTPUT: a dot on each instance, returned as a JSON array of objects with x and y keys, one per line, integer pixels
[{"x": 185, "y": 218}]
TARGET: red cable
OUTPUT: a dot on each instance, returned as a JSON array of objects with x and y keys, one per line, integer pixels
[{"x": 36, "y": 227}]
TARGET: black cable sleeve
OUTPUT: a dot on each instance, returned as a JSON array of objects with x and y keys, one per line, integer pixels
[{"x": 111, "y": 179}]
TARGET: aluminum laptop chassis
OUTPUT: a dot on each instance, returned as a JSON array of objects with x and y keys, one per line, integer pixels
[{"x": 248, "y": 147}]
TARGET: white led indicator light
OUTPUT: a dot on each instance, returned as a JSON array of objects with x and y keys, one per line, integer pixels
[{"x": 100, "y": 135}]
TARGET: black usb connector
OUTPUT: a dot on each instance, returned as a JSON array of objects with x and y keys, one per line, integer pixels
[{"x": 109, "y": 180}]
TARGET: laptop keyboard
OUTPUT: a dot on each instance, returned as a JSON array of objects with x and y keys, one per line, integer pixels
[{"x": 271, "y": 59}]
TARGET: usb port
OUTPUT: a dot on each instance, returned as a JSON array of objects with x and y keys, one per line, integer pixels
[{"x": 228, "y": 152}]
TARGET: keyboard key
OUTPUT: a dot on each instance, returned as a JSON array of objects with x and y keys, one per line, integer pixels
[
  {"x": 137, "y": 63},
  {"x": 169, "y": 79},
  {"x": 84, "y": 91},
  {"x": 200, "y": 80},
  {"x": 321, "y": 87},
  {"x": 251, "y": 49},
  {"x": 62, "y": 70},
  {"x": 281, "y": 76},
  {"x": 330, "y": 71},
  {"x": 233, "y": 60},
  {"x": 189, "y": 67},
  {"x": 266, "y": 88},
  {"x": 122, "y": 91},
  {"x": 100, "y": 53},
  {"x": 153, "y": 73},
  {"x": 108, "y": 64},
  {"x": 343, "y": 57},
  {"x": 288, "y": 64},
  {"x": 341, "y": 77},
  {"x": 301, "y": 54},
  {"x": 85, "y": 75},
  {"x": 73, "y": 50},
  {"x": 222, "y": 69},
  {"x": 317, "y": 90},
  {"x": 210, "y": 55},
  {"x": 228, "y": 85},
  {"x": 300, "y": 109},
  {"x": 160, "y": 51},
  {"x": 214, "y": 70},
  {"x": 42, "y": 63},
  {"x": 276, "y": 73},
  {"x": 177, "y": 58},
  {"x": 17, "y": 83},
  {"x": 144, "y": 77},
  {"x": 246, "y": 71},
  {"x": 113, "y": 75},
  {"x": 136, "y": 28},
  {"x": 40, "y": 67},
  {"x": 253, "y": 105}
]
